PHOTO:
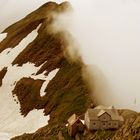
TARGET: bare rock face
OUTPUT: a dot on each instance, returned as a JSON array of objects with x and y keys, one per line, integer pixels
[
  {"x": 130, "y": 130},
  {"x": 60, "y": 136}
]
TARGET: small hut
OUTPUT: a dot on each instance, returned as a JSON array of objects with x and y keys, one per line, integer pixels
[
  {"x": 75, "y": 125},
  {"x": 103, "y": 118}
]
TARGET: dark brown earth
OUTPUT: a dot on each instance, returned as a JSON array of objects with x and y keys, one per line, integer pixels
[
  {"x": 2, "y": 74},
  {"x": 67, "y": 92}
]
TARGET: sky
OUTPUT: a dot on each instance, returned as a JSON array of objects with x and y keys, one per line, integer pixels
[{"x": 107, "y": 32}]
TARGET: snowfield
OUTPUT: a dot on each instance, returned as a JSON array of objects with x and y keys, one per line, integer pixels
[
  {"x": 3, "y": 36},
  {"x": 49, "y": 77},
  {"x": 4, "y": 136},
  {"x": 11, "y": 121}
]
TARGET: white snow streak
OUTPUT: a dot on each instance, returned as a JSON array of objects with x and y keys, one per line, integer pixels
[
  {"x": 3, "y": 36},
  {"x": 49, "y": 77},
  {"x": 11, "y": 121},
  {"x": 8, "y": 55}
]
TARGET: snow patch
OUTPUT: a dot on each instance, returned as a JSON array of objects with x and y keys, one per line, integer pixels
[
  {"x": 83, "y": 122},
  {"x": 10, "y": 54},
  {"x": 10, "y": 118},
  {"x": 4, "y": 136},
  {"x": 3, "y": 36},
  {"x": 49, "y": 77},
  {"x": 11, "y": 121}
]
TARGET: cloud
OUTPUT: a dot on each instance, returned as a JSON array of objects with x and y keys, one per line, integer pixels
[
  {"x": 108, "y": 33},
  {"x": 108, "y": 36}
]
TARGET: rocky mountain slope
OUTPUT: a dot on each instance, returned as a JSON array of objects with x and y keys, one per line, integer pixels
[{"x": 67, "y": 92}]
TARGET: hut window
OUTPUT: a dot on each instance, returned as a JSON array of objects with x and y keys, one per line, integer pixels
[
  {"x": 103, "y": 123},
  {"x": 94, "y": 123}
]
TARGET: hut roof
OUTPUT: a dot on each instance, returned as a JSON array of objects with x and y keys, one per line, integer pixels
[
  {"x": 74, "y": 118},
  {"x": 95, "y": 113}
]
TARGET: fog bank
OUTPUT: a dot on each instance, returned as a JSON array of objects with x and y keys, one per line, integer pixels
[{"x": 108, "y": 35}]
